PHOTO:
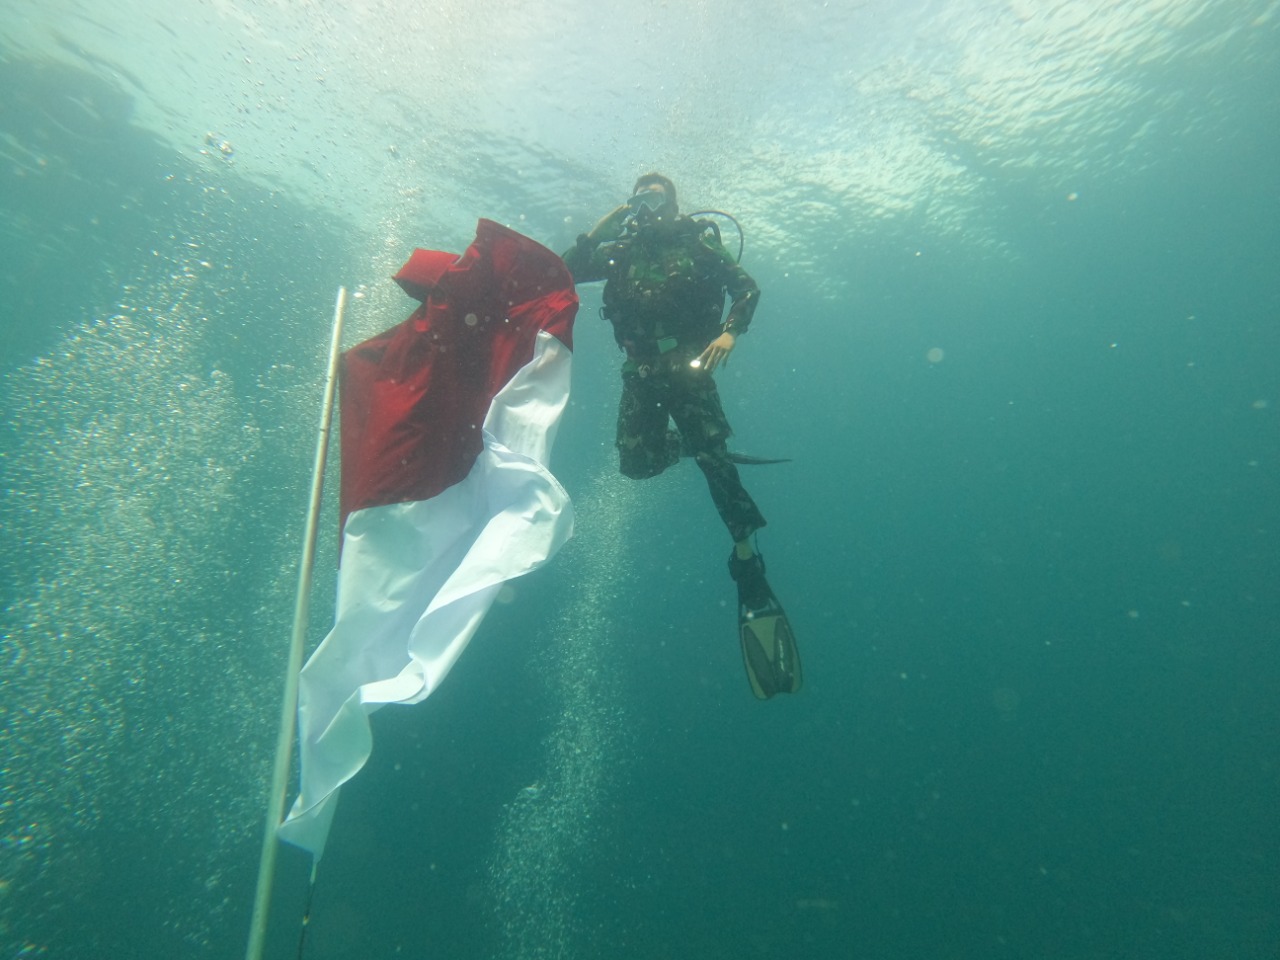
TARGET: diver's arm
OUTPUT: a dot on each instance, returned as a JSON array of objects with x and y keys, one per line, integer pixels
[
  {"x": 742, "y": 290},
  {"x": 581, "y": 258},
  {"x": 745, "y": 295},
  {"x": 578, "y": 259}
]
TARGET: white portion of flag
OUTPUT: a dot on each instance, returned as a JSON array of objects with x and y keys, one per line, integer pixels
[{"x": 417, "y": 579}]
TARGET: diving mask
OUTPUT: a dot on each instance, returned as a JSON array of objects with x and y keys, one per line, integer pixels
[{"x": 651, "y": 200}]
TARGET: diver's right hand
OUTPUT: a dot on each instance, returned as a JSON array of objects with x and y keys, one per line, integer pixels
[{"x": 610, "y": 225}]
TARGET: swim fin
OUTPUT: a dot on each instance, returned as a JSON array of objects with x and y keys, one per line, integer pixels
[
  {"x": 677, "y": 447},
  {"x": 768, "y": 645},
  {"x": 747, "y": 459}
]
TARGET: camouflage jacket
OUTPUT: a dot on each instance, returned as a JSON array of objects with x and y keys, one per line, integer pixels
[{"x": 666, "y": 282}]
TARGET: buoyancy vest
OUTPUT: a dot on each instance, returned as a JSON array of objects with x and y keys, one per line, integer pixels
[{"x": 664, "y": 285}]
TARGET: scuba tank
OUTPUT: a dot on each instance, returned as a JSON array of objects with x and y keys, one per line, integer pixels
[{"x": 715, "y": 229}]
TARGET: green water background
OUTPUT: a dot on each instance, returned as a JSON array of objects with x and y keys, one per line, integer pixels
[{"x": 1028, "y": 539}]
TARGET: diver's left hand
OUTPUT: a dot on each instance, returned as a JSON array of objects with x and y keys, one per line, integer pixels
[{"x": 717, "y": 352}]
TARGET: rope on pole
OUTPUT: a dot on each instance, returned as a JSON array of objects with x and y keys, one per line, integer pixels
[{"x": 289, "y": 706}]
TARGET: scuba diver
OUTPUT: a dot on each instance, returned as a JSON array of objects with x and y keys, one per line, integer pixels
[{"x": 666, "y": 276}]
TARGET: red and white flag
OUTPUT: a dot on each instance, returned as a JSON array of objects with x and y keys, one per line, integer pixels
[{"x": 447, "y": 425}]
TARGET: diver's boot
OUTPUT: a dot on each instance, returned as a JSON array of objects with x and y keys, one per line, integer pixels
[{"x": 748, "y": 573}]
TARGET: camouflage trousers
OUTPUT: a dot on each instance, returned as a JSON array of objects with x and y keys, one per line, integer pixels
[{"x": 653, "y": 396}]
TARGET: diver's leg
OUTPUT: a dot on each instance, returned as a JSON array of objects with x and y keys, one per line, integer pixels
[
  {"x": 644, "y": 447},
  {"x": 768, "y": 644},
  {"x": 704, "y": 428}
]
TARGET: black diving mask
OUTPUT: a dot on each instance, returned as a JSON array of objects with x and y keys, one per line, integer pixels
[{"x": 651, "y": 200}]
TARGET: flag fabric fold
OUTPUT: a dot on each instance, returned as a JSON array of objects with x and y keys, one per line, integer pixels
[{"x": 448, "y": 420}]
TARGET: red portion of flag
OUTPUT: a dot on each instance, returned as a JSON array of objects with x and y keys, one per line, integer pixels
[
  {"x": 411, "y": 426},
  {"x": 420, "y": 275}
]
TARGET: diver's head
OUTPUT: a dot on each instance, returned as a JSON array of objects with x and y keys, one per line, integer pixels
[{"x": 653, "y": 197}]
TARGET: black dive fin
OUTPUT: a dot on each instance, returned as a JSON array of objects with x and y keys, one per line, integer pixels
[{"x": 768, "y": 645}]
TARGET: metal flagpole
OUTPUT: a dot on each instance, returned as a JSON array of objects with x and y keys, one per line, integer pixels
[{"x": 289, "y": 708}]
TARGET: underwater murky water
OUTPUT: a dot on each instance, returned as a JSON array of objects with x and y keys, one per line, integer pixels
[{"x": 1017, "y": 334}]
